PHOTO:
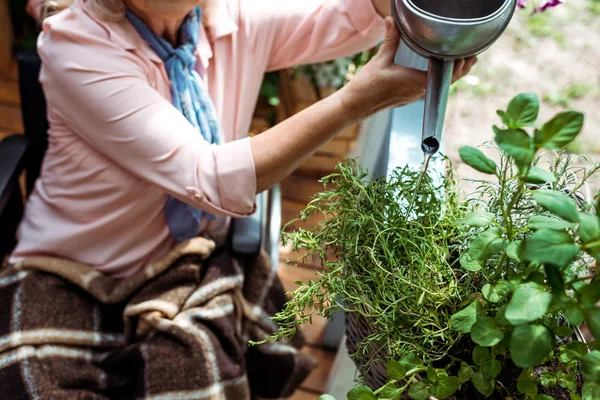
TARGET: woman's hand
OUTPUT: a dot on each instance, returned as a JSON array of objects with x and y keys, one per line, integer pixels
[
  {"x": 379, "y": 85},
  {"x": 383, "y": 84}
]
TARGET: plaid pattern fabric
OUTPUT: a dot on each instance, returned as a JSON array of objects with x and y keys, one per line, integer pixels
[{"x": 176, "y": 330}]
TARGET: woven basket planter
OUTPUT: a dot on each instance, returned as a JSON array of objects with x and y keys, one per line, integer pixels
[{"x": 373, "y": 373}]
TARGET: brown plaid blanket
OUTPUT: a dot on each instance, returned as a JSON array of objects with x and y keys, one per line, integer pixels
[{"x": 176, "y": 330}]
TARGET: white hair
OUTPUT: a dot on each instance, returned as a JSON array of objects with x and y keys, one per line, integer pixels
[{"x": 112, "y": 10}]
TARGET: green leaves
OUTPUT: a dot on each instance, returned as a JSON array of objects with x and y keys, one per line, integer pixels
[
  {"x": 591, "y": 391},
  {"x": 529, "y": 303},
  {"x": 419, "y": 391},
  {"x": 589, "y": 227},
  {"x": 483, "y": 385},
  {"x": 326, "y": 397},
  {"x": 522, "y": 111},
  {"x": 486, "y": 333},
  {"x": 590, "y": 366},
  {"x": 476, "y": 159},
  {"x": 517, "y": 144},
  {"x": 527, "y": 384},
  {"x": 530, "y": 345},
  {"x": 589, "y": 295},
  {"x": 410, "y": 361},
  {"x": 540, "y": 175},
  {"x": 557, "y": 203},
  {"x": 545, "y": 222},
  {"x": 549, "y": 247},
  {"x": 361, "y": 393},
  {"x": 485, "y": 363},
  {"x": 497, "y": 292},
  {"x": 464, "y": 320},
  {"x": 396, "y": 370},
  {"x": 465, "y": 373},
  {"x": 486, "y": 244},
  {"x": 389, "y": 392},
  {"x": 589, "y": 231},
  {"x": 573, "y": 351},
  {"x": 468, "y": 263},
  {"x": 554, "y": 278},
  {"x": 476, "y": 219},
  {"x": 559, "y": 131},
  {"x": 592, "y": 317},
  {"x": 446, "y": 386}
]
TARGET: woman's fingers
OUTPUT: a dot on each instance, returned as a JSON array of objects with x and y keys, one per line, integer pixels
[
  {"x": 462, "y": 67},
  {"x": 390, "y": 44}
]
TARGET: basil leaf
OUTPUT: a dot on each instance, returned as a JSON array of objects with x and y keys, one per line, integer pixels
[
  {"x": 446, "y": 386},
  {"x": 476, "y": 159},
  {"x": 469, "y": 264},
  {"x": 544, "y": 222},
  {"x": 361, "y": 393},
  {"x": 547, "y": 246},
  {"x": 464, "y": 320},
  {"x": 529, "y": 303},
  {"x": 523, "y": 110},
  {"x": 487, "y": 244},
  {"x": 486, "y": 333},
  {"x": 396, "y": 370},
  {"x": 497, "y": 292},
  {"x": 419, "y": 391},
  {"x": 476, "y": 219},
  {"x": 590, "y": 366},
  {"x": 483, "y": 385},
  {"x": 390, "y": 392},
  {"x": 559, "y": 131},
  {"x": 530, "y": 345},
  {"x": 465, "y": 373},
  {"x": 540, "y": 175},
  {"x": 557, "y": 203},
  {"x": 517, "y": 144}
]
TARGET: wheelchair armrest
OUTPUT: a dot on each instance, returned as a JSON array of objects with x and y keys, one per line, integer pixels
[
  {"x": 13, "y": 150},
  {"x": 262, "y": 230},
  {"x": 247, "y": 234}
]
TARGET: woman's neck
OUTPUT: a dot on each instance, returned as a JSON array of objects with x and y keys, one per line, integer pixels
[{"x": 167, "y": 28}]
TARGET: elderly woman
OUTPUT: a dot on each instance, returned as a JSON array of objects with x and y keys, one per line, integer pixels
[{"x": 115, "y": 289}]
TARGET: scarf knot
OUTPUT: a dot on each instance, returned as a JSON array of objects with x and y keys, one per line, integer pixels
[
  {"x": 191, "y": 98},
  {"x": 181, "y": 55}
]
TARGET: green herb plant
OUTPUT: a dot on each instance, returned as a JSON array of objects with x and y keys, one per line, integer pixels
[
  {"x": 380, "y": 266},
  {"x": 481, "y": 294}
]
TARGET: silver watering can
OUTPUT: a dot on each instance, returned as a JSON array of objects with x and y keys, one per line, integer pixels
[{"x": 443, "y": 31}]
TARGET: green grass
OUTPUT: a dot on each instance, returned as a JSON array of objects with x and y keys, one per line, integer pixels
[
  {"x": 545, "y": 25},
  {"x": 583, "y": 146},
  {"x": 594, "y": 7},
  {"x": 564, "y": 96}
]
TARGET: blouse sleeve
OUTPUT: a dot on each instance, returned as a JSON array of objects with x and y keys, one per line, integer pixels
[
  {"x": 288, "y": 33},
  {"x": 101, "y": 92}
]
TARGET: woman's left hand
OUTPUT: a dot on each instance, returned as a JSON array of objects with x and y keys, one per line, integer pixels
[{"x": 383, "y": 84}]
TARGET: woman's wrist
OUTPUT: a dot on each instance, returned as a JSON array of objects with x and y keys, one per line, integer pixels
[{"x": 357, "y": 103}]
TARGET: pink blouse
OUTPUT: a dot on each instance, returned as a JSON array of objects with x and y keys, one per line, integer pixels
[{"x": 117, "y": 147}]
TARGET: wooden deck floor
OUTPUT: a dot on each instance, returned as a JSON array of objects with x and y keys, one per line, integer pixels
[{"x": 296, "y": 190}]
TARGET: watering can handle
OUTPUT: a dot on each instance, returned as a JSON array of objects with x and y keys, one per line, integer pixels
[{"x": 436, "y": 100}]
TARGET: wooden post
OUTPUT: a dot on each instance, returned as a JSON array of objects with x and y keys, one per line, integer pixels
[{"x": 6, "y": 38}]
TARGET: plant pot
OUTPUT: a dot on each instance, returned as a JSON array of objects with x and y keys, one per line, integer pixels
[
  {"x": 357, "y": 329},
  {"x": 374, "y": 373}
]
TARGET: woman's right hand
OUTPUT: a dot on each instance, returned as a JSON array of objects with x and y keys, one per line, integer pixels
[{"x": 383, "y": 84}]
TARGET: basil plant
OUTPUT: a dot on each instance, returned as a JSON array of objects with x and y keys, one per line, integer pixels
[{"x": 527, "y": 244}]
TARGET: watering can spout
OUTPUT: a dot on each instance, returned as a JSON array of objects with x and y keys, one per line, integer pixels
[
  {"x": 443, "y": 31},
  {"x": 438, "y": 88}
]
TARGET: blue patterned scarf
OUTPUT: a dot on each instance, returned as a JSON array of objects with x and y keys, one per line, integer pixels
[{"x": 191, "y": 97}]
